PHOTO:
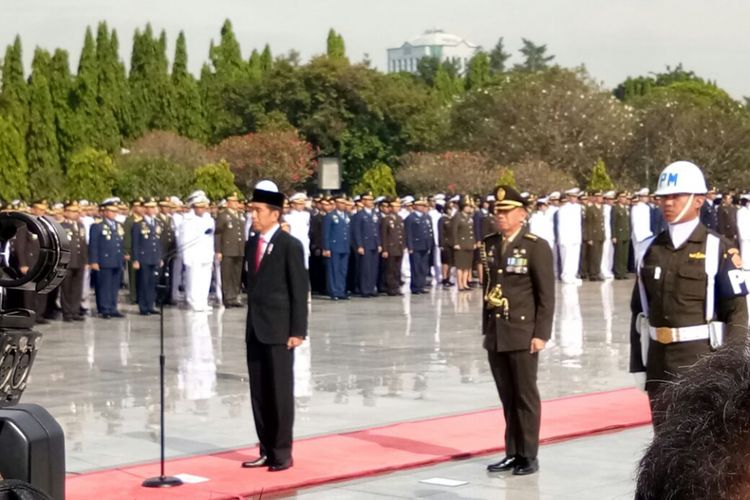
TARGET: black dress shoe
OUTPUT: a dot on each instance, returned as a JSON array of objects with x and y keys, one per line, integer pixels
[
  {"x": 506, "y": 463},
  {"x": 526, "y": 466},
  {"x": 79, "y": 318},
  {"x": 145, "y": 313},
  {"x": 42, "y": 321},
  {"x": 106, "y": 316},
  {"x": 117, "y": 315},
  {"x": 261, "y": 461},
  {"x": 282, "y": 466},
  {"x": 68, "y": 319},
  {"x": 154, "y": 311}
]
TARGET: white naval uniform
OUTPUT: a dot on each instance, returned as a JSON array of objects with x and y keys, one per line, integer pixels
[
  {"x": 569, "y": 237},
  {"x": 437, "y": 272},
  {"x": 743, "y": 234},
  {"x": 405, "y": 266},
  {"x": 299, "y": 227},
  {"x": 608, "y": 250},
  {"x": 640, "y": 221},
  {"x": 197, "y": 244}
]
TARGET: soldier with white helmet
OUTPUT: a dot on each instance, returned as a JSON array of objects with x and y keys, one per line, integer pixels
[{"x": 690, "y": 292}]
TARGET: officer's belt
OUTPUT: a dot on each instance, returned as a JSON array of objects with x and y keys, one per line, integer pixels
[{"x": 666, "y": 335}]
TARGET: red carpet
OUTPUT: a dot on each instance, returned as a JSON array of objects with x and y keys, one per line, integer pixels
[{"x": 355, "y": 454}]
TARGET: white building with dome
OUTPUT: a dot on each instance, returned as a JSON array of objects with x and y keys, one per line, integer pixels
[{"x": 432, "y": 43}]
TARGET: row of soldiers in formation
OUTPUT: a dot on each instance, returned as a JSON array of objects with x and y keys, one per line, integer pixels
[{"x": 362, "y": 245}]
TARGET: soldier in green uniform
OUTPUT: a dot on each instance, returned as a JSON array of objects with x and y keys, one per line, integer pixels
[
  {"x": 517, "y": 313},
  {"x": 593, "y": 236},
  {"x": 72, "y": 286},
  {"x": 690, "y": 295},
  {"x": 136, "y": 215},
  {"x": 229, "y": 245},
  {"x": 392, "y": 239},
  {"x": 621, "y": 235}
]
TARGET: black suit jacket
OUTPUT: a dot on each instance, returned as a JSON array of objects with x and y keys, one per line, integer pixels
[{"x": 277, "y": 292}]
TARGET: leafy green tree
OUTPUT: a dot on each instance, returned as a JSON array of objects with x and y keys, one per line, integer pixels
[
  {"x": 599, "y": 180},
  {"x": 13, "y": 167},
  {"x": 634, "y": 87},
  {"x": 506, "y": 178},
  {"x": 335, "y": 47},
  {"x": 449, "y": 172},
  {"x": 15, "y": 91},
  {"x": 61, "y": 87},
  {"x": 478, "y": 74},
  {"x": 216, "y": 179},
  {"x": 378, "y": 180},
  {"x": 266, "y": 60},
  {"x": 42, "y": 150},
  {"x": 84, "y": 95},
  {"x": 535, "y": 56},
  {"x": 190, "y": 118},
  {"x": 447, "y": 85},
  {"x": 226, "y": 57},
  {"x": 109, "y": 87},
  {"x": 498, "y": 58},
  {"x": 427, "y": 69},
  {"x": 151, "y": 176},
  {"x": 91, "y": 175}
]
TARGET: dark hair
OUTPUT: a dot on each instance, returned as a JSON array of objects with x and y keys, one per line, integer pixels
[{"x": 700, "y": 447}]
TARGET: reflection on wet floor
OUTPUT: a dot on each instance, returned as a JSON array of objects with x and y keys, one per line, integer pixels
[{"x": 368, "y": 362}]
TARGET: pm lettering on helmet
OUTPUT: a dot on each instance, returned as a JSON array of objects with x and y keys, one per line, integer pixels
[{"x": 668, "y": 179}]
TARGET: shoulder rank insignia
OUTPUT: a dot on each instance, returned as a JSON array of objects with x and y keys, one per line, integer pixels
[
  {"x": 697, "y": 255},
  {"x": 531, "y": 236}
]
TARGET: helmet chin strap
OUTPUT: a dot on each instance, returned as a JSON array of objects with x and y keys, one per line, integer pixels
[{"x": 684, "y": 210}]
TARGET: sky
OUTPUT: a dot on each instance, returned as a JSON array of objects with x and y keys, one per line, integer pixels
[{"x": 612, "y": 38}]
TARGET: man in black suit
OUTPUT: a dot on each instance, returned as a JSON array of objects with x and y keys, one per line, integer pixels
[{"x": 277, "y": 289}]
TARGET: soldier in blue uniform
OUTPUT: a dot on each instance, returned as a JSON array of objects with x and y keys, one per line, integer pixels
[
  {"x": 366, "y": 237},
  {"x": 419, "y": 242},
  {"x": 106, "y": 257},
  {"x": 147, "y": 256},
  {"x": 336, "y": 249}
]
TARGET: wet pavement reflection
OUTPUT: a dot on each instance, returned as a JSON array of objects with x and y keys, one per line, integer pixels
[{"x": 368, "y": 362}]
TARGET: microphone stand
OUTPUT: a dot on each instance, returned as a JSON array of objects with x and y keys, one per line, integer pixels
[{"x": 162, "y": 481}]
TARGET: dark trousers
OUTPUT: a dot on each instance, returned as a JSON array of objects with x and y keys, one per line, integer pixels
[
  {"x": 72, "y": 291},
  {"x": 622, "y": 248},
  {"x": 231, "y": 275},
  {"x": 318, "y": 273},
  {"x": 420, "y": 267},
  {"x": 270, "y": 367},
  {"x": 352, "y": 273},
  {"x": 594, "y": 256},
  {"x": 132, "y": 283},
  {"x": 515, "y": 378},
  {"x": 108, "y": 281},
  {"x": 336, "y": 267},
  {"x": 367, "y": 267},
  {"x": 146, "y": 285},
  {"x": 392, "y": 273}
]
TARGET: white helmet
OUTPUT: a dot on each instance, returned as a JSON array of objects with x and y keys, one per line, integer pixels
[{"x": 681, "y": 177}]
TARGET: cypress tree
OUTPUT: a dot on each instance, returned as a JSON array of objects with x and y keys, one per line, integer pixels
[
  {"x": 255, "y": 66},
  {"x": 84, "y": 99},
  {"x": 164, "y": 117},
  {"x": 108, "y": 98},
  {"x": 227, "y": 69},
  {"x": 266, "y": 60},
  {"x": 150, "y": 86},
  {"x": 498, "y": 57},
  {"x": 335, "y": 48},
  {"x": 42, "y": 150},
  {"x": 478, "y": 73},
  {"x": 13, "y": 167},
  {"x": 190, "y": 119},
  {"x": 15, "y": 91},
  {"x": 227, "y": 57},
  {"x": 61, "y": 88}
]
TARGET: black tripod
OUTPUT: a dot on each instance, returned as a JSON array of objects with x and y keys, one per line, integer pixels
[{"x": 162, "y": 288}]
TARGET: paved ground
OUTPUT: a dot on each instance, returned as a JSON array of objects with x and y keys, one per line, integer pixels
[{"x": 369, "y": 362}]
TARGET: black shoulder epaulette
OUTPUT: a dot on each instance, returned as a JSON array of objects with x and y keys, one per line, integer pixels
[
  {"x": 491, "y": 235},
  {"x": 531, "y": 236}
]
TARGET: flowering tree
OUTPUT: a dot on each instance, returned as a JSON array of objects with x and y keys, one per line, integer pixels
[
  {"x": 280, "y": 156},
  {"x": 450, "y": 172}
]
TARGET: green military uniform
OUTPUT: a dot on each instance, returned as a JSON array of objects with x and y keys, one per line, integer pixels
[
  {"x": 519, "y": 305},
  {"x": 462, "y": 236},
  {"x": 593, "y": 237},
  {"x": 72, "y": 286},
  {"x": 392, "y": 240},
  {"x": 130, "y": 221},
  {"x": 229, "y": 241},
  {"x": 620, "y": 222},
  {"x": 675, "y": 284}
]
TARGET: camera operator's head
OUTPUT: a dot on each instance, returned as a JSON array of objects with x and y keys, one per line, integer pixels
[{"x": 700, "y": 450}]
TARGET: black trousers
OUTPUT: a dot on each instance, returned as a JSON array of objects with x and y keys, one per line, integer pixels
[
  {"x": 231, "y": 275},
  {"x": 515, "y": 378},
  {"x": 271, "y": 370},
  {"x": 72, "y": 291}
]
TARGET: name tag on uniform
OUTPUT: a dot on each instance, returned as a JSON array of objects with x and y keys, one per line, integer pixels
[{"x": 657, "y": 272}]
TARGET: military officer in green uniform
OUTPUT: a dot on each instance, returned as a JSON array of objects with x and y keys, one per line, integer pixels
[
  {"x": 72, "y": 286},
  {"x": 517, "y": 312},
  {"x": 392, "y": 238},
  {"x": 593, "y": 236},
  {"x": 229, "y": 245},
  {"x": 621, "y": 235},
  {"x": 689, "y": 298},
  {"x": 136, "y": 215}
]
